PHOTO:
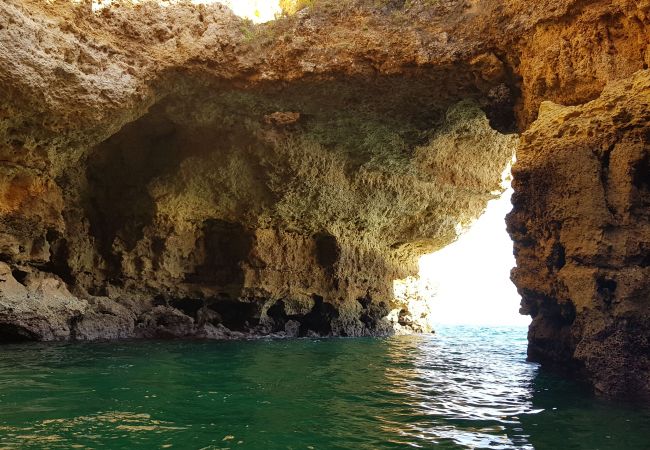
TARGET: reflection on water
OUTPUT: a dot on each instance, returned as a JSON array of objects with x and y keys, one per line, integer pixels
[
  {"x": 475, "y": 388},
  {"x": 462, "y": 388}
]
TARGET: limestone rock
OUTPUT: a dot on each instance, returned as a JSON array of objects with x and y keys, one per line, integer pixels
[
  {"x": 36, "y": 306},
  {"x": 582, "y": 236},
  {"x": 177, "y": 171}
]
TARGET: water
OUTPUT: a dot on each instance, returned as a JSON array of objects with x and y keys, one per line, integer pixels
[{"x": 462, "y": 388}]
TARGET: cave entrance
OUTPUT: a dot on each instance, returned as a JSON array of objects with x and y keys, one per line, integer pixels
[
  {"x": 468, "y": 281},
  {"x": 257, "y": 11}
]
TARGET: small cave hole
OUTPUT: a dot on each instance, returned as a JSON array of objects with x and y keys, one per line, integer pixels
[
  {"x": 319, "y": 319},
  {"x": 19, "y": 275},
  {"x": 159, "y": 300},
  {"x": 236, "y": 315},
  {"x": 557, "y": 259},
  {"x": 327, "y": 250},
  {"x": 12, "y": 333},
  {"x": 189, "y": 306},
  {"x": 606, "y": 289},
  {"x": 59, "y": 257},
  {"x": 157, "y": 247},
  {"x": 278, "y": 314}
]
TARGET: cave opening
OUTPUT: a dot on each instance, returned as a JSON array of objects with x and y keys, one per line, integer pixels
[
  {"x": 257, "y": 11},
  {"x": 468, "y": 281}
]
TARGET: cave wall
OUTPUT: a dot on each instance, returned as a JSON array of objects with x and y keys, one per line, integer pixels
[
  {"x": 176, "y": 171},
  {"x": 579, "y": 219},
  {"x": 203, "y": 215},
  {"x": 223, "y": 208},
  {"x": 570, "y": 58},
  {"x": 582, "y": 237}
]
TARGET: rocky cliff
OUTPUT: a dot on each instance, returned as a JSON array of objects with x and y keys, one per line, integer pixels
[
  {"x": 177, "y": 171},
  {"x": 584, "y": 270}
]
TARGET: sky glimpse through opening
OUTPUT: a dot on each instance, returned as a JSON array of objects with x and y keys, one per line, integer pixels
[
  {"x": 258, "y": 11},
  {"x": 470, "y": 279},
  {"x": 468, "y": 282}
]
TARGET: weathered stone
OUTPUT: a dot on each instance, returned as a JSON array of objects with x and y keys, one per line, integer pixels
[
  {"x": 176, "y": 171},
  {"x": 36, "y": 306},
  {"x": 582, "y": 236}
]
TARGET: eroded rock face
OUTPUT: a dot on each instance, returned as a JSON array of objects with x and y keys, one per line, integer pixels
[
  {"x": 571, "y": 57},
  {"x": 204, "y": 212},
  {"x": 582, "y": 237},
  {"x": 176, "y": 171},
  {"x": 184, "y": 202}
]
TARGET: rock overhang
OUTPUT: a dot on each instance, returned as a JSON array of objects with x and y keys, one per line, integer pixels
[{"x": 358, "y": 156}]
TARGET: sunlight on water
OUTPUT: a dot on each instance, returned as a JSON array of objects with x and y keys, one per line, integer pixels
[
  {"x": 463, "y": 388},
  {"x": 483, "y": 409}
]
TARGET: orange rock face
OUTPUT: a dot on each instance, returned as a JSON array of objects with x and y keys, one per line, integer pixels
[
  {"x": 569, "y": 60},
  {"x": 582, "y": 236}
]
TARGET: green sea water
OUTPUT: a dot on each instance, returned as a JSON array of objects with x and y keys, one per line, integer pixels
[{"x": 462, "y": 388}]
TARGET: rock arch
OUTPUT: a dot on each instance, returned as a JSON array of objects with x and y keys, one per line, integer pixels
[{"x": 177, "y": 171}]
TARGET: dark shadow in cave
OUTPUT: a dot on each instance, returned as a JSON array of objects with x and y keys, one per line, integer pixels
[
  {"x": 117, "y": 202},
  {"x": 225, "y": 246},
  {"x": 11, "y": 333},
  {"x": 236, "y": 315}
]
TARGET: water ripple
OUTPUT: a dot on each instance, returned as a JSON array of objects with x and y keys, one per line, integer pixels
[{"x": 463, "y": 388}]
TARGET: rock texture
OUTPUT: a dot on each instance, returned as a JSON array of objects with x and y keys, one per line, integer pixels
[
  {"x": 183, "y": 173},
  {"x": 177, "y": 171},
  {"x": 582, "y": 236}
]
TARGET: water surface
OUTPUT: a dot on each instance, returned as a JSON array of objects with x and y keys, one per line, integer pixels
[{"x": 463, "y": 388}]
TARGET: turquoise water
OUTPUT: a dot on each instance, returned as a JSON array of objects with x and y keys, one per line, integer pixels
[{"x": 461, "y": 388}]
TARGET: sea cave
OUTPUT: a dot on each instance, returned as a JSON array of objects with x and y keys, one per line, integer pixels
[{"x": 217, "y": 176}]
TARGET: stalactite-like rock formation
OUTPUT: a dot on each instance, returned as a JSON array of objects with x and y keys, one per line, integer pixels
[{"x": 177, "y": 171}]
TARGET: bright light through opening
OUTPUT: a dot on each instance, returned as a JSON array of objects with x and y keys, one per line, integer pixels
[
  {"x": 468, "y": 282},
  {"x": 258, "y": 11},
  {"x": 471, "y": 277}
]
